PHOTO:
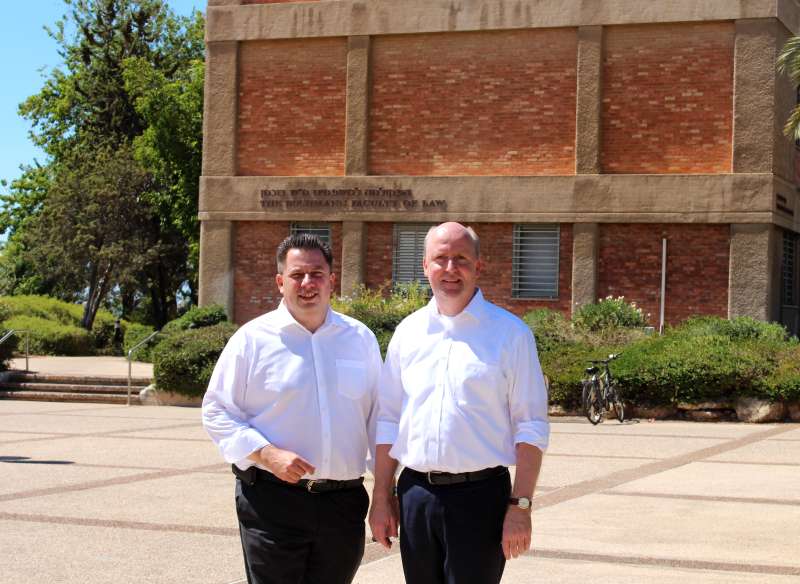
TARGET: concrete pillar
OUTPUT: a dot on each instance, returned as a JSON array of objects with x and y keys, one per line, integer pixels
[
  {"x": 219, "y": 159},
  {"x": 356, "y": 153},
  {"x": 752, "y": 276},
  {"x": 585, "y": 244},
  {"x": 761, "y": 100},
  {"x": 589, "y": 100},
  {"x": 357, "y": 109},
  {"x": 216, "y": 264},
  {"x": 354, "y": 240}
]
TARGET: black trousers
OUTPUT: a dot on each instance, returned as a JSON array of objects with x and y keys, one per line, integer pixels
[
  {"x": 291, "y": 536},
  {"x": 452, "y": 534}
]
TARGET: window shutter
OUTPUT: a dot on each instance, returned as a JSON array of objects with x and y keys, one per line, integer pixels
[{"x": 535, "y": 261}]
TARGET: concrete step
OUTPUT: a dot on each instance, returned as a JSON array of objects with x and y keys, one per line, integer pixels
[
  {"x": 70, "y": 388},
  {"x": 77, "y": 380},
  {"x": 97, "y": 398}
]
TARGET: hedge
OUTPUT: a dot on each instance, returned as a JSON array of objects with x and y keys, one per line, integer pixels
[
  {"x": 196, "y": 317},
  {"x": 48, "y": 337},
  {"x": 183, "y": 362}
]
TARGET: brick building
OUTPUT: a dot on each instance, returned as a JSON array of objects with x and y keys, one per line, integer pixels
[{"x": 576, "y": 137}]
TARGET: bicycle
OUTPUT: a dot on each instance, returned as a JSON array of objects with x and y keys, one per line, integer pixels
[{"x": 600, "y": 393}]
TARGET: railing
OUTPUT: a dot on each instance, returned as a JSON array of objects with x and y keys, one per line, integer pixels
[
  {"x": 13, "y": 332},
  {"x": 130, "y": 356}
]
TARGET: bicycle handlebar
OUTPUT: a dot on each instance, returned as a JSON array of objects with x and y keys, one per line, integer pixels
[{"x": 606, "y": 361}]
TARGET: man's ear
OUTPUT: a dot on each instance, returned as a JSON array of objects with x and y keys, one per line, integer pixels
[
  {"x": 333, "y": 280},
  {"x": 279, "y": 282},
  {"x": 478, "y": 267}
]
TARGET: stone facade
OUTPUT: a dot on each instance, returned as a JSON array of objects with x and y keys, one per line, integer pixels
[{"x": 618, "y": 124}]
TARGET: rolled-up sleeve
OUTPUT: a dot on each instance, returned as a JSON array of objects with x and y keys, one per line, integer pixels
[
  {"x": 223, "y": 419},
  {"x": 528, "y": 393},
  {"x": 390, "y": 395}
]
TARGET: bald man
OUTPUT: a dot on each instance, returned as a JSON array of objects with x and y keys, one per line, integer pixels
[{"x": 462, "y": 397}]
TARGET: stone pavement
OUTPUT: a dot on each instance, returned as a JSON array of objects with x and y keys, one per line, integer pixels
[
  {"x": 99, "y": 366},
  {"x": 104, "y": 493}
]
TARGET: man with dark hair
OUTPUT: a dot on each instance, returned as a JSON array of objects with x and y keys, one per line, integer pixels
[
  {"x": 291, "y": 405},
  {"x": 462, "y": 398}
]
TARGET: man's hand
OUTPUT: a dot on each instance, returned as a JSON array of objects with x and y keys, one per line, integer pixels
[
  {"x": 516, "y": 532},
  {"x": 284, "y": 464},
  {"x": 384, "y": 517}
]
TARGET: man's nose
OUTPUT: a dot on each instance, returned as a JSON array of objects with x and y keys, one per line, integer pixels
[{"x": 306, "y": 279}]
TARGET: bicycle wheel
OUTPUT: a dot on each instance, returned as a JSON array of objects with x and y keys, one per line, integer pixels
[
  {"x": 619, "y": 408},
  {"x": 591, "y": 401}
]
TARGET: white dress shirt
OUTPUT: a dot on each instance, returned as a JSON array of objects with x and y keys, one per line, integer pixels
[
  {"x": 314, "y": 394},
  {"x": 458, "y": 393}
]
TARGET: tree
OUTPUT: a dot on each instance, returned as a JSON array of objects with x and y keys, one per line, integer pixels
[
  {"x": 789, "y": 65},
  {"x": 120, "y": 123}
]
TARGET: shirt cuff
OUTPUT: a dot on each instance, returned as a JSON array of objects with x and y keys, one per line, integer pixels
[
  {"x": 535, "y": 433},
  {"x": 237, "y": 448},
  {"x": 386, "y": 432}
]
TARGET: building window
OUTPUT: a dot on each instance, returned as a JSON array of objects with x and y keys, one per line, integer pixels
[
  {"x": 409, "y": 249},
  {"x": 535, "y": 261},
  {"x": 322, "y": 230},
  {"x": 789, "y": 270}
]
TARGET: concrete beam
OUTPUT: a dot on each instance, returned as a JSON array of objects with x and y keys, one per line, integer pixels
[
  {"x": 585, "y": 244},
  {"x": 354, "y": 241},
  {"x": 216, "y": 264},
  {"x": 379, "y": 17},
  {"x": 356, "y": 153},
  {"x": 724, "y": 198},
  {"x": 751, "y": 277},
  {"x": 589, "y": 100}
]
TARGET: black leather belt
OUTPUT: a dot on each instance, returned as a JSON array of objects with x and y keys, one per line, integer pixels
[
  {"x": 449, "y": 478},
  {"x": 254, "y": 474}
]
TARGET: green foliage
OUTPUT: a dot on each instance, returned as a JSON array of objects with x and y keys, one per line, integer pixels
[
  {"x": 60, "y": 313},
  {"x": 134, "y": 334},
  {"x": 382, "y": 313},
  {"x": 49, "y": 337},
  {"x": 608, "y": 313},
  {"x": 197, "y": 317},
  {"x": 183, "y": 362}
]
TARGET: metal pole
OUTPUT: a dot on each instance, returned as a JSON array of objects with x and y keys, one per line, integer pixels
[
  {"x": 663, "y": 283},
  {"x": 129, "y": 378},
  {"x": 27, "y": 349}
]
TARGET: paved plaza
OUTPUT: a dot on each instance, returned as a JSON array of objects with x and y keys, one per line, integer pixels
[{"x": 105, "y": 493}]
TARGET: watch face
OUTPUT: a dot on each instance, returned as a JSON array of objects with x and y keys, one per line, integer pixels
[{"x": 524, "y": 503}]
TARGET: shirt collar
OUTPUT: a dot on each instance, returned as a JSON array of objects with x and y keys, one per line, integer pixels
[
  {"x": 475, "y": 309},
  {"x": 284, "y": 318}
]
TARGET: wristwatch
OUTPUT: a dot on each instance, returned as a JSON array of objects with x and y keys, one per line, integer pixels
[{"x": 522, "y": 502}]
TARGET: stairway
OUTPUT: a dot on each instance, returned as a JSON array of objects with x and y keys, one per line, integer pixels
[{"x": 64, "y": 388}]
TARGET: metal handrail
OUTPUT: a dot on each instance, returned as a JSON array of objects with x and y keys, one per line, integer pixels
[
  {"x": 13, "y": 332},
  {"x": 130, "y": 354}
]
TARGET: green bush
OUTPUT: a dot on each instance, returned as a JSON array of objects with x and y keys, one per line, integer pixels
[
  {"x": 67, "y": 314},
  {"x": 783, "y": 383},
  {"x": 382, "y": 313},
  {"x": 551, "y": 329},
  {"x": 197, "y": 317},
  {"x": 48, "y": 337},
  {"x": 5, "y": 310},
  {"x": 183, "y": 362},
  {"x": 608, "y": 313},
  {"x": 134, "y": 334}
]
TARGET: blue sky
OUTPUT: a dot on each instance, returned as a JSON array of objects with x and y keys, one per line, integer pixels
[{"x": 26, "y": 49}]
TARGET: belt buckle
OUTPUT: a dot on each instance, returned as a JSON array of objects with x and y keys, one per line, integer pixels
[
  {"x": 310, "y": 485},
  {"x": 430, "y": 474}
]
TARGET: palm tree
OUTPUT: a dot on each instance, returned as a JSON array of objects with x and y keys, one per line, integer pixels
[{"x": 789, "y": 65}]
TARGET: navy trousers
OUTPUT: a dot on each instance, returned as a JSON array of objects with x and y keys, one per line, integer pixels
[
  {"x": 452, "y": 534},
  {"x": 291, "y": 536}
]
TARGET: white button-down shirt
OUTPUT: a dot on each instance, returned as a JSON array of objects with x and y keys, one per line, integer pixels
[
  {"x": 458, "y": 393},
  {"x": 314, "y": 394}
]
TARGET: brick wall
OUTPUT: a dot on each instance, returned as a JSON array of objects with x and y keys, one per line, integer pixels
[
  {"x": 668, "y": 98},
  {"x": 497, "y": 240},
  {"x": 488, "y": 103},
  {"x": 274, "y": 1},
  {"x": 292, "y": 107},
  {"x": 378, "y": 256},
  {"x": 629, "y": 265},
  {"x": 255, "y": 244}
]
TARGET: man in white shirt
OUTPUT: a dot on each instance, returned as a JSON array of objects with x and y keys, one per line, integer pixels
[
  {"x": 291, "y": 405},
  {"x": 462, "y": 398}
]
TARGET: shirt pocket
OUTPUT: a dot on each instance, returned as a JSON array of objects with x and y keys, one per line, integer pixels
[
  {"x": 351, "y": 378},
  {"x": 477, "y": 386}
]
